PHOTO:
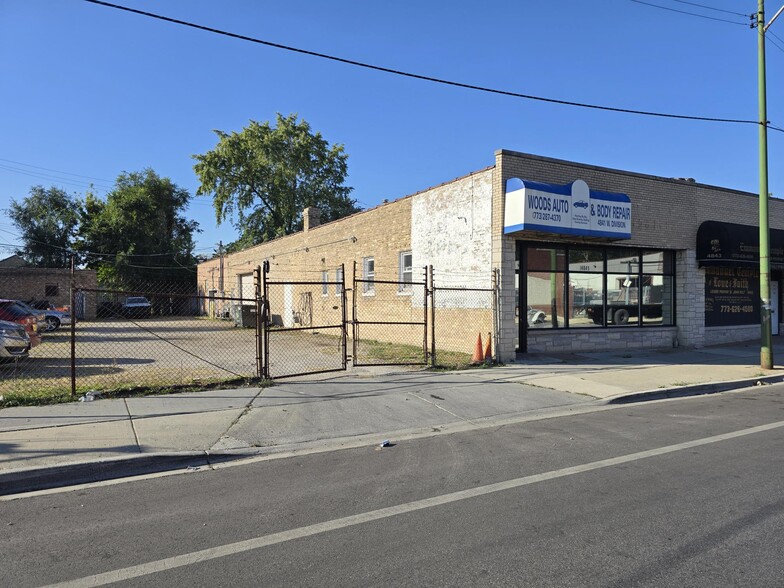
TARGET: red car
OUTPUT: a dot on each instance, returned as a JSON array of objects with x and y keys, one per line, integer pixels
[{"x": 11, "y": 311}]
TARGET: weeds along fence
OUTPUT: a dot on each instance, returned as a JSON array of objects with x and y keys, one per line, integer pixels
[{"x": 156, "y": 336}]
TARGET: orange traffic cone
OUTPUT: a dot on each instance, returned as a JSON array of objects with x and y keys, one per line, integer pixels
[
  {"x": 478, "y": 356},
  {"x": 488, "y": 350}
]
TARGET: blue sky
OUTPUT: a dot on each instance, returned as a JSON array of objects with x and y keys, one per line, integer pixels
[{"x": 90, "y": 91}]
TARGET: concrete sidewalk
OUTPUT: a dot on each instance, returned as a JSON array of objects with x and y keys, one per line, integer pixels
[{"x": 49, "y": 446}]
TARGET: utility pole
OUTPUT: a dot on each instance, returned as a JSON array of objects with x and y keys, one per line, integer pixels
[{"x": 766, "y": 339}]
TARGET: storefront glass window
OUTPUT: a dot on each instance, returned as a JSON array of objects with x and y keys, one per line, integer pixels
[
  {"x": 546, "y": 300},
  {"x": 657, "y": 300},
  {"x": 586, "y": 298},
  {"x": 547, "y": 259},
  {"x": 623, "y": 261},
  {"x": 622, "y": 300},
  {"x": 593, "y": 286}
]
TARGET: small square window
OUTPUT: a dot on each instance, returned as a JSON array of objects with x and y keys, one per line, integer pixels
[{"x": 51, "y": 290}]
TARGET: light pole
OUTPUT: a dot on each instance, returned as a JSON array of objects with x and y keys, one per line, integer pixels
[{"x": 766, "y": 347}]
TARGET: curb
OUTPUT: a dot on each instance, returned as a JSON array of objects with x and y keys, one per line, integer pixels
[
  {"x": 49, "y": 477},
  {"x": 693, "y": 390}
]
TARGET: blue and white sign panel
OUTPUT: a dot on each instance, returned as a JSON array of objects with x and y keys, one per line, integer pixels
[{"x": 572, "y": 209}]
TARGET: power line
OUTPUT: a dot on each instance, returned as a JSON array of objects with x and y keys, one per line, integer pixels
[
  {"x": 776, "y": 45},
  {"x": 423, "y": 77},
  {"x": 53, "y": 170},
  {"x": 683, "y": 12},
  {"x": 51, "y": 178},
  {"x": 711, "y": 8}
]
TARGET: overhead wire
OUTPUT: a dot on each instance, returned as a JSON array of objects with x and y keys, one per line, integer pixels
[
  {"x": 686, "y": 12},
  {"x": 711, "y": 8},
  {"x": 424, "y": 77},
  {"x": 53, "y": 170}
]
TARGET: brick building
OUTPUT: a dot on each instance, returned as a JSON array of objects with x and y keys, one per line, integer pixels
[
  {"x": 54, "y": 285},
  {"x": 584, "y": 258}
]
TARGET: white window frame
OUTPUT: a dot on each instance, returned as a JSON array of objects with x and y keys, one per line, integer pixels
[
  {"x": 368, "y": 276},
  {"x": 338, "y": 281},
  {"x": 324, "y": 283},
  {"x": 405, "y": 287}
]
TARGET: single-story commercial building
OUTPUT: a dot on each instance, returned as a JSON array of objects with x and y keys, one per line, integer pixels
[{"x": 581, "y": 257}]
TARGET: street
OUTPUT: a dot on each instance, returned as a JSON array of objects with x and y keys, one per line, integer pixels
[{"x": 683, "y": 492}]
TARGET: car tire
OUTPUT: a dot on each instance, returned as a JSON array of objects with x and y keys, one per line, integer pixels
[{"x": 52, "y": 323}]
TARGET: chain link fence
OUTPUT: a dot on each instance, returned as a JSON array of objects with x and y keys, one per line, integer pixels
[
  {"x": 152, "y": 336},
  {"x": 389, "y": 320},
  {"x": 157, "y": 336},
  {"x": 463, "y": 311}
]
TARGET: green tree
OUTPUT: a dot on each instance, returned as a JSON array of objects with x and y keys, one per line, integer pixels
[
  {"x": 48, "y": 219},
  {"x": 139, "y": 234},
  {"x": 263, "y": 177}
]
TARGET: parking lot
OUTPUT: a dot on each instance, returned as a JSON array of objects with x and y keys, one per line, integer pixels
[{"x": 116, "y": 353}]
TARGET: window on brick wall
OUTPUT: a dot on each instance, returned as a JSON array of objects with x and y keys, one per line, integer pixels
[
  {"x": 339, "y": 281},
  {"x": 51, "y": 290},
  {"x": 324, "y": 283},
  {"x": 405, "y": 272},
  {"x": 368, "y": 275}
]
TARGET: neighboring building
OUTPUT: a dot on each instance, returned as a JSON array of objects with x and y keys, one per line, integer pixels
[
  {"x": 54, "y": 285},
  {"x": 586, "y": 258},
  {"x": 12, "y": 261}
]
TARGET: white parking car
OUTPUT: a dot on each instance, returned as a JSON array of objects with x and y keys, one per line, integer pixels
[
  {"x": 52, "y": 318},
  {"x": 14, "y": 340}
]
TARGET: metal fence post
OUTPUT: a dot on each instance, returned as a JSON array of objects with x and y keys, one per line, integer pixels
[
  {"x": 432, "y": 318},
  {"x": 354, "y": 332},
  {"x": 259, "y": 322},
  {"x": 265, "y": 313},
  {"x": 496, "y": 303},
  {"x": 73, "y": 326},
  {"x": 344, "y": 316},
  {"x": 424, "y": 318}
]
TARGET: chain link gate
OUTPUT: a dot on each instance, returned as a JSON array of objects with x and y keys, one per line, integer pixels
[{"x": 301, "y": 326}]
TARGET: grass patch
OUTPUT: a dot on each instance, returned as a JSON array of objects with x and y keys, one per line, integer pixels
[
  {"x": 59, "y": 395},
  {"x": 397, "y": 353}
]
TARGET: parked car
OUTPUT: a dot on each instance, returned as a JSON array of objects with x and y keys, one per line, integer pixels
[
  {"x": 136, "y": 307},
  {"x": 14, "y": 341},
  {"x": 46, "y": 305},
  {"x": 11, "y": 311},
  {"x": 52, "y": 318},
  {"x": 535, "y": 316}
]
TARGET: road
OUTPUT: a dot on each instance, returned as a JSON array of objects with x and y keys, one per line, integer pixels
[{"x": 684, "y": 492}]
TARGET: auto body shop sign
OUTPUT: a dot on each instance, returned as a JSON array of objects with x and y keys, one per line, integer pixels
[{"x": 572, "y": 209}]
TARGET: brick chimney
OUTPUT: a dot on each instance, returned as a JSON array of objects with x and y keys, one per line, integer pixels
[{"x": 311, "y": 217}]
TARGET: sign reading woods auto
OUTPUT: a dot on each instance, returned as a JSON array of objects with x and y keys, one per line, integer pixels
[
  {"x": 731, "y": 296},
  {"x": 572, "y": 209}
]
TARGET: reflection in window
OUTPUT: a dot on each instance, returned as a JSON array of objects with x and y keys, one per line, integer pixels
[
  {"x": 546, "y": 301},
  {"x": 586, "y": 299},
  {"x": 547, "y": 259},
  {"x": 599, "y": 286}
]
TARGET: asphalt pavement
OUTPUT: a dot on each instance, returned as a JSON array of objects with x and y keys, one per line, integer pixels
[{"x": 65, "y": 444}]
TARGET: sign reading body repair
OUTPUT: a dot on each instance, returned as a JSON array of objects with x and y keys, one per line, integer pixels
[{"x": 572, "y": 209}]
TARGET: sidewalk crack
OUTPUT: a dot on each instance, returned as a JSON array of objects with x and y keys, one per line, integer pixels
[
  {"x": 133, "y": 425},
  {"x": 245, "y": 411}
]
